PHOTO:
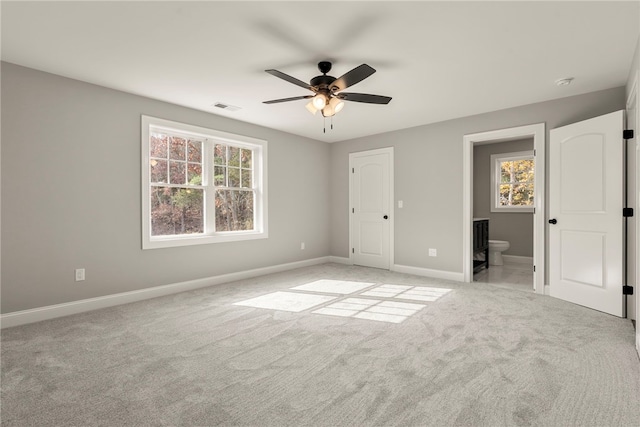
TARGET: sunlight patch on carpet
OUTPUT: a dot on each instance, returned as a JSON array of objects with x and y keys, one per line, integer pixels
[
  {"x": 343, "y": 287},
  {"x": 370, "y": 309},
  {"x": 380, "y": 308},
  {"x": 287, "y": 301},
  {"x": 416, "y": 293}
]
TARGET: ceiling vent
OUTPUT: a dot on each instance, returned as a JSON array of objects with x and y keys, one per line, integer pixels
[
  {"x": 564, "y": 82},
  {"x": 226, "y": 107}
]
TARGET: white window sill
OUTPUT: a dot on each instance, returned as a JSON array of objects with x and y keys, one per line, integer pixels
[
  {"x": 512, "y": 210},
  {"x": 175, "y": 241}
]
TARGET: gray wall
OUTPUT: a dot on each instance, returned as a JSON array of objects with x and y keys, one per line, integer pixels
[
  {"x": 515, "y": 227},
  {"x": 71, "y": 190},
  {"x": 428, "y": 175},
  {"x": 71, "y": 195}
]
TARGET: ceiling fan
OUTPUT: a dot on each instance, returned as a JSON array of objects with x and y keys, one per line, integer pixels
[{"x": 328, "y": 96}]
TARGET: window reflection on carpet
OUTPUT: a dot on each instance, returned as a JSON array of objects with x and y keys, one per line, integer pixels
[
  {"x": 312, "y": 296},
  {"x": 370, "y": 309}
]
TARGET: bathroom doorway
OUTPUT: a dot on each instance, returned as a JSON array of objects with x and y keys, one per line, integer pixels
[
  {"x": 496, "y": 186},
  {"x": 503, "y": 194}
]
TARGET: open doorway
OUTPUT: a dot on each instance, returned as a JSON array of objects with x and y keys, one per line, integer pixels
[
  {"x": 536, "y": 135},
  {"x": 503, "y": 199}
]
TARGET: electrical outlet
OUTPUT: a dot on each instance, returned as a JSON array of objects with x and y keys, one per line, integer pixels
[
  {"x": 79, "y": 274},
  {"x": 433, "y": 252},
  {"x": 302, "y": 246},
  {"x": 400, "y": 204}
]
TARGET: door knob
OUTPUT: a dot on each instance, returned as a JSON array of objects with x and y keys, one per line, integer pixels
[
  {"x": 553, "y": 221},
  {"x": 386, "y": 217}
]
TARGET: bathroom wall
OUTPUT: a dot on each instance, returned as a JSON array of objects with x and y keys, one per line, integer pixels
[{"x": 515, "y": 227}]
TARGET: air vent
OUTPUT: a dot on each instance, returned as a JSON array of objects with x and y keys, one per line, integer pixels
[{"x": 226, "y": 106}]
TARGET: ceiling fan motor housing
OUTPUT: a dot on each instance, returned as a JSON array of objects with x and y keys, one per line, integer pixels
[{"x": 322, "y": 82}]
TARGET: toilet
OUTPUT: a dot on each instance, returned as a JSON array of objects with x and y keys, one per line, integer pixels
[{"x": 496, "y": 247}]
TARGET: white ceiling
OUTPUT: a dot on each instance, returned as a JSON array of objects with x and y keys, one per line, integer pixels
[{"x": 438, "y": 60}]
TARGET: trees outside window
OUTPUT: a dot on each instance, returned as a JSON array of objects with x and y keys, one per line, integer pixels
[
  {"x": 201, "y": 185},
  {"x": 512, "y": 183}
]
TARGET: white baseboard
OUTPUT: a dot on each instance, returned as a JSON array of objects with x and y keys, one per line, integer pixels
[
  {"x": 23, "y": 317},
  {"x": 437, "y": 274},
  {"x": 340, "y": 260},
  {"x": 515, "y": 259}
]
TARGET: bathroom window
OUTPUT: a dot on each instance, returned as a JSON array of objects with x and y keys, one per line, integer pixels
[{"x": 512, "y": 187}]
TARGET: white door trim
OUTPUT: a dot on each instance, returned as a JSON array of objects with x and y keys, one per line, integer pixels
[
  {"x": 633, "y": 102},
  {"x": 389, "y": 151},
  {"x": 537, "y": 131}
]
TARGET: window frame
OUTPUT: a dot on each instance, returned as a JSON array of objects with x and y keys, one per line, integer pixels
[
  {"x": 210, "y": 138},
  {"x": 496, "y": 160}
]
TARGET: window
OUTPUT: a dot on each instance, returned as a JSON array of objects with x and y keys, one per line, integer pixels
[
  {"x": 200, "y": 185},
  {"x": 512, "y": 184}
]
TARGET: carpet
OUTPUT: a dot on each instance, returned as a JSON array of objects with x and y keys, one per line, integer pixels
[{"x": 480, "y": 355}]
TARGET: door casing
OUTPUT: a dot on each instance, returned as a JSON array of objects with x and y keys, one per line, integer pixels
[
  {"x": 389, "y": 151},
  {"x": 633, "y": 106},
  {"x": 537, "y": 132}
]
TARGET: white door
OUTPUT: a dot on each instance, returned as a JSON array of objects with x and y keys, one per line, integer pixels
[
  {"x": 585, "y": 213},
  {"x": 371, "y": 207}
]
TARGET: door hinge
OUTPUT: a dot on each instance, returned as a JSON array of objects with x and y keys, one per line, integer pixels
[
  {"x": 353, "y": 210},
  {"x": 627, "y": 134},
  {"x": 353, "y": 170},
  {"x": 534, "y": 153},
  {"x": 353, "y": 251},
  {"x": 534, "y": 268},
  {"x": 627, "y": 290},
  {"x": 627, "y": 212}
]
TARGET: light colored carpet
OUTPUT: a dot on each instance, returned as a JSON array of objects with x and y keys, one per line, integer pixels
[{"x": 480, "y": 355}]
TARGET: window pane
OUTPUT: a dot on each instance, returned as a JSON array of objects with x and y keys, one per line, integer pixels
[
  {"x": 177, "y": 147},
  {"x": 194, "y": 151},
  {"x": 234, "y": 177},
  {"x": 522, "y": 195},
  {"x": 234, "y": 156},
  {"x": 220, "y": 154},
  {"x": 176, "y": 211},
  {"x": 234, "y": 210},
  {"x": 523, "y": 170},
  {"x": 194, "y": 174},
  {"x": 505, "y": 172},
  {"x": 246, "y": 178},
  {"x": 158, "y": 145},
  {"x": 219, "y": 176},
  {"x": 158, "y": 170},
  {"x": 246, "y": 158},
  {"x": 505, "y": 195},
  {"x": 177, "y": 172}
]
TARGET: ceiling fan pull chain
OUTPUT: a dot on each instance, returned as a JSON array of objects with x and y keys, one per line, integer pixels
[
  {"x": 331, "y": 122},
  {"x": 324, "y": 125}
]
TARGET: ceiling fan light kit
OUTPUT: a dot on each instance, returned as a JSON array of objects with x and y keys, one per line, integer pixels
[
  {"x": 319, "y": 101},
  {"x": 328, "y": 96}
]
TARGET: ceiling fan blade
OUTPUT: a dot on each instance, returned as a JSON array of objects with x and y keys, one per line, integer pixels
[
  {"x": 352, "y": 77},
  {"x": 289, "y": 79},
  {"x": 295, "y": 98},
  {"x": 364, "y": 97}
]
